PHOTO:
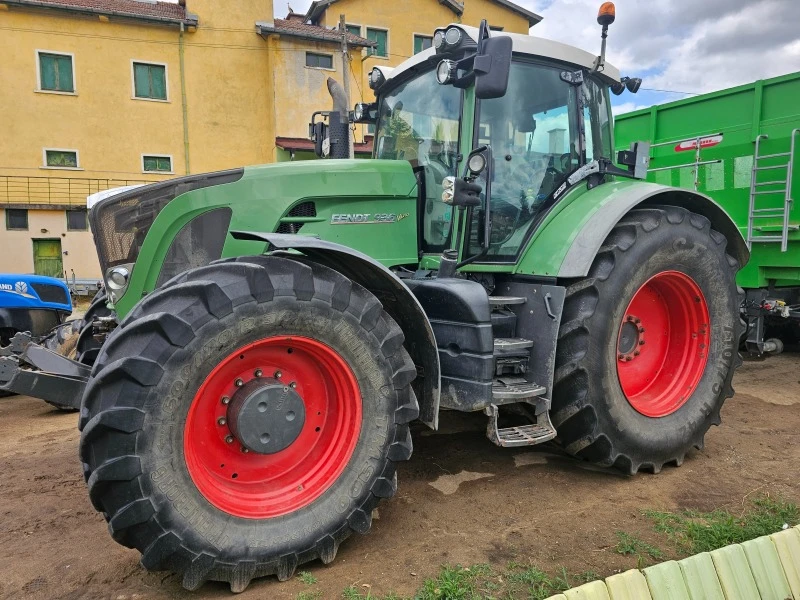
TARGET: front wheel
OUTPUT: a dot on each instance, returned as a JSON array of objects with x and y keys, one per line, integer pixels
[
  {"x": 246, "y": 418},
  {"x": 648, "y": 342}
]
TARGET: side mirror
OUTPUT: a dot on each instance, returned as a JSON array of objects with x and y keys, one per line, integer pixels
[
  {"x": 319, "y": 131},
  {"x": 492, "y": 67}
]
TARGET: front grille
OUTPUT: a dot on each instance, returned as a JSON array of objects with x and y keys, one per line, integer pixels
[
  {"x": 120, "y": 223},
  {"x": 305, "y": 209},
  {"x": 51, "y": 293}
]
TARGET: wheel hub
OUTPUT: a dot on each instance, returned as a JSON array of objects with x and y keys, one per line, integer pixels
[
  {"x": 663, "y": 342},
  {"x": 266, "y": 415}
]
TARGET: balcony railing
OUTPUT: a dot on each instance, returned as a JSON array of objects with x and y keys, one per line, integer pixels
[{"x": 56, "y": 190}]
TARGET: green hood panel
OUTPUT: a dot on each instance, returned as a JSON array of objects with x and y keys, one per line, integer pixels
[{"x": 368, "y": 205}]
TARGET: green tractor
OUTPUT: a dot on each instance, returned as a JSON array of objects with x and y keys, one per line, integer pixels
[{"x": 276, "y": 329}]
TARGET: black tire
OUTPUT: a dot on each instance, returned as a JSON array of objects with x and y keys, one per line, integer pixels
[
  {"x": 133, "y": 416},
  {"x": 592, "y": 415}
]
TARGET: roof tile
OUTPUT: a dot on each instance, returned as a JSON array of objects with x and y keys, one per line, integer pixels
[{"x": 163, "y": 11}]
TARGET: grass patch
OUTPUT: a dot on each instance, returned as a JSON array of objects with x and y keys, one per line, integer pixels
[
  {"x": 306, "y": 578},
  {"x": 315, "y": 595},
  {"x": 693, "y": 532},
  {"x": 630, "y": 545}
]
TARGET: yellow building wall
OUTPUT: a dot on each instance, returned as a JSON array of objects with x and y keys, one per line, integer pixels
[
  {"x": 404, "y": 19},
  {"x": 77, "y": 247},
  {"x": 301, "y": 90}
]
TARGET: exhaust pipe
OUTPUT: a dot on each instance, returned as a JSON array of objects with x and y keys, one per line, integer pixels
[{"x": 341, "y": 141}]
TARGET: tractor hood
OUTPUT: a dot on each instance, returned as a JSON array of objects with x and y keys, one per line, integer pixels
[{"x": 148, "y": 235}]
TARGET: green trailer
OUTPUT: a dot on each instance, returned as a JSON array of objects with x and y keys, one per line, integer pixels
[{"x": 738, "y": 146}]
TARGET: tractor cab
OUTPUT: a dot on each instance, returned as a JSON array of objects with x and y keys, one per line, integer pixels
[{"x": 535, "y": 114}]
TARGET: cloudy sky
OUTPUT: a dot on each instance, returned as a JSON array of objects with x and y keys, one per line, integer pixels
[{"x": 691, "y": 46}]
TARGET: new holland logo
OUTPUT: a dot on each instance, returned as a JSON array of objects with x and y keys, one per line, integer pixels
[{"x": 21, "y": 287}]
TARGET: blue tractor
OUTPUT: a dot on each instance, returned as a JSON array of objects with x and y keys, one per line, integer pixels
[{"x": 32, "y": 303}]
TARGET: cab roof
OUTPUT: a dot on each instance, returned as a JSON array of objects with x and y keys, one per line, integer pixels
[{"x": 522, "y": 44}]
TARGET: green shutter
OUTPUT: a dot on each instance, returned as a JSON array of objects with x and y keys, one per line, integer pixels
[
  {"x": 165, "y": 164},
  {"x": 150, "y": 163},
  {"x": 141, "y": 80},
  {"x": 150, "y": 81},
  {"x": 158, "y": 77},
  {"x": 47, "y": 64},
  {"x": 65, "y": 79},
  {"x": 56, "y": 72},
  {"x": 380, "y": 37},
  {"x": 354, "y": 29}
]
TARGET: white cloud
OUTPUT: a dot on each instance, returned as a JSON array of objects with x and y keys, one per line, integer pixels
[{"x": 626, "y": 107}]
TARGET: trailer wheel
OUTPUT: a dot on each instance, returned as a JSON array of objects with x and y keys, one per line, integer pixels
[
  {"x": 648, "y": 343},
  {"x": 247, "y": 418}
]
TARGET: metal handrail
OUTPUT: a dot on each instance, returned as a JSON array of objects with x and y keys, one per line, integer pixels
[
  {"x": 71, "y": 191},
  {"x": 697, "y": 162}
]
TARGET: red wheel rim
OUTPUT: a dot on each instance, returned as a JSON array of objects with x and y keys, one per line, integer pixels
[
  {"x": 259, "y": 486},
  {"x": 662, "y": 345}
]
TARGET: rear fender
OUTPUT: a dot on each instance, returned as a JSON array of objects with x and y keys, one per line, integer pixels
[
  {"x": 397, "y": 300},
  {"x": 569, "y": 241}
]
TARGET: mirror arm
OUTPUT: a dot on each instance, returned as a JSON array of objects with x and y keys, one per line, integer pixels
[{"x": 487, "y": 222}]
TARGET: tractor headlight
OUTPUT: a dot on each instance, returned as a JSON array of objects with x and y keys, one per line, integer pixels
[
  {"x": 449, "y": 183},
  {"x": 453, "y": 36},
  {"x": 117, "y": 279},
  {"x": 438, "y": 40},
  {"x": 447, "y": 196},
  {"x": 446, "y": 72},
  {"x": 376, "y": 78},
  {"x": 476, "y": 164}
]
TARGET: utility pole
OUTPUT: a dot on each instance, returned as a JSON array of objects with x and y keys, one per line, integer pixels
[{"x": 346, "y": 77}]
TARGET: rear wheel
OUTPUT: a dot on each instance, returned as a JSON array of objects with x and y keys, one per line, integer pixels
[
  {"x": 648, "y": 342},
  {"x": 246, "y": 418}
]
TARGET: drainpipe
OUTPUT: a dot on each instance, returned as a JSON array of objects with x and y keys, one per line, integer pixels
[{"x": 184, "y": 107}]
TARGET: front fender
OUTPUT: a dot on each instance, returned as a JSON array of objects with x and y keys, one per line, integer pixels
[
  {"x": 397, "y": 300},
  {"x": 566, "y": 244}
]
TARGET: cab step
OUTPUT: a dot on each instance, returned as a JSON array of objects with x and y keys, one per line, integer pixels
[
  {"x": 515, "y": 389},
  {"x": 498, "y": 301},
  {"x": 511, "y": 345},
  {"x": 521, "y": 435}
]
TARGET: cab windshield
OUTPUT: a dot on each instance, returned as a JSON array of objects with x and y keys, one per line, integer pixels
[
  {"x": 419, "y": 122},
  {"x": 537, "y": 132}
]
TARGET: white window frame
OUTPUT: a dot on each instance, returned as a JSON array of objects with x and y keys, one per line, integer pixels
[
  {"x": 135, "y": 61},
  {"x": 388, "y": 43},
  {"x": 156, "y": 155},
  {"x": 38, "y": 52},
  {"x": 415, "y": 35},
  {"x": 77, "y": 159}
]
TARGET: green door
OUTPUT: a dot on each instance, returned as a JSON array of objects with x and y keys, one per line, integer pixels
[{"x": 47, "y": 258}]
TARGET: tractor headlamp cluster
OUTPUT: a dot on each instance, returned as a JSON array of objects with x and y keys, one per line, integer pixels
[
  {"x": 632, "y": 84},
  {"x": 447, "y": 40},
  {"x": 449, "y": 185}
]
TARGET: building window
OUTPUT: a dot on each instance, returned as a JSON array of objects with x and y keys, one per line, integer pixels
[
  {"x": 319, "y": 61},
  {"x": 56, "y": 73},
  {"x": 77, "y": 220},
  {"x": 353, "y": 29},
  {"x": 381, "y": 38},
  {"x": 496, "y": 27},
  {"x": 61, "y": 159},
  {"x": 157, "y": 164},
  {"x": 422, "y": 42},
  {"x": 17, "y": 218},
  {"x": 149, "y": 81}
]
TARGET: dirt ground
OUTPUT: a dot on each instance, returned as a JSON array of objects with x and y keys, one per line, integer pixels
[{"x": 460, "y": 500}]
